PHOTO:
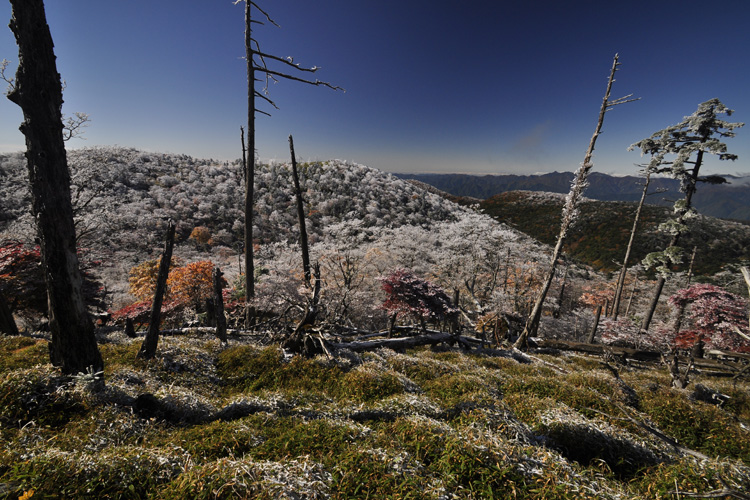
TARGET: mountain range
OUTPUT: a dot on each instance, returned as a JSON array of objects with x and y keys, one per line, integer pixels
[{"x": 725, "y": 201}]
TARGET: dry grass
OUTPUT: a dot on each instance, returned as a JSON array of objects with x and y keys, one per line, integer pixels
[{"x": 246, "y": 421}]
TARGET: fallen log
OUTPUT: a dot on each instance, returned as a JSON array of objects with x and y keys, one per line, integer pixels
[
  {"x": 397, "y": 344},
  {"x": 625, "y": 352}
]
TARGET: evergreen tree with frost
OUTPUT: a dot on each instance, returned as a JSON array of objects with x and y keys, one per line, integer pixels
[{"x": 679, "y": 151}]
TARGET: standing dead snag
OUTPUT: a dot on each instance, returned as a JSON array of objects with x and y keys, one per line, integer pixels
[
  {"x": 38, "y": 91},
  {"x": 301, "y": 341},
  {"x": 570, "y": 210},
  {"x": 257, "y": 62},
  {"x": 148, "y": 348},
  {"x": 626, "y": 259},
  {"x": 218, "y": 305},
  {"x": 300, "y": 216}
]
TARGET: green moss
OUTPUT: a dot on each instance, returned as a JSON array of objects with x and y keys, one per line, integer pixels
[
  {"x": 22, "y": 352},
  {"x": 35, "y": 395},
  {"x": 699, "y": 426}
]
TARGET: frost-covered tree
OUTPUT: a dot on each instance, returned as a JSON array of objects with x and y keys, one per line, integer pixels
[
  {"x": 570, "y": 209},
  {"x": 679, "y": 151}
]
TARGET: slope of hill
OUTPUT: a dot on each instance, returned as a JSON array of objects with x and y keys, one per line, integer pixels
[
  {"x": 361, "y": 223},
  {"x": 726, "y": 201},
  {"x": 601, "y": 233},
  {"x": 207, "y": 421}
]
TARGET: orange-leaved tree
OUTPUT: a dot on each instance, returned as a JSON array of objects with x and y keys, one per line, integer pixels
[
  {"x": 193, "y": 283},
  {"x": 201, "y": 236},
  {"x": 143, "y": 278}
]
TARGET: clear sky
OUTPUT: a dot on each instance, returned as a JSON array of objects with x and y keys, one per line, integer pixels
[{"x": 491, "y": 86}]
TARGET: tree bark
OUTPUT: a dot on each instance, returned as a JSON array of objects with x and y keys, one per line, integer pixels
[
  {"x": 7, "y": 323},
  {"x": 148, "y": 348},
  {"x": 301, "y": 216},
  {"x": 38, "y": 92},
  {"x": 218, "y": 303},
  {"x": 249, "y": 171},
  {"x": 597, "y": 315},
  {"x": 624, "y": 269}
]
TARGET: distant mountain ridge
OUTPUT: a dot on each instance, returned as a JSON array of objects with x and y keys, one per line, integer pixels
[{"x": 725, "y": 201}]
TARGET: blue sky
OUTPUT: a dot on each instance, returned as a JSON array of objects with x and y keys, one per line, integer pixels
[{"x": 485, "y": 86}]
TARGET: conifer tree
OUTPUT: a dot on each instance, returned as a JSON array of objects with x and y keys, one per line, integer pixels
[{"x": 679, "y": 151}]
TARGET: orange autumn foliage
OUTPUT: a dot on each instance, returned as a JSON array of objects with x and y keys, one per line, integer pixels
[{"x": 192, "y": 283}]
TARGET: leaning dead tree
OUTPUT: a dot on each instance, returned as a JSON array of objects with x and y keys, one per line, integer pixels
[
  {"x": 38, "y": 91},
  {"x": 259, "y": 70},
  {"x": 148, "y": 348},
  {"x": 570, "y": 209},
  {"x": 303, "y": 243},
  {"x": 626, "y": 259}
]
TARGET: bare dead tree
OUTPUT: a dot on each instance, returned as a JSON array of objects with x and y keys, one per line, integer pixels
[
  {"x": 37, "y": 89},
  {"x": 626, "y": 259},
  {"x": 218, "y": 305},
  {"x": 303, "y": 243},
  {"x": 258, "y": 64},
  {"x": 570, "y": 209},
  {"x": 148, "y": 348}
]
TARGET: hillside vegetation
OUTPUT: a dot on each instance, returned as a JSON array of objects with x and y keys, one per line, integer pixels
[
  {"x": 601, "y": 234},
  {"x": 206, "y": 421},
  {"x": 246, "y": 419}
]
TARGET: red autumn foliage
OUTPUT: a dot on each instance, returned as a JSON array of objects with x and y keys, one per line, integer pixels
[
  {"x": 714, "y": 314},
  {"x": 410, "y": 294},
  {"x": 22, "y": 279}
]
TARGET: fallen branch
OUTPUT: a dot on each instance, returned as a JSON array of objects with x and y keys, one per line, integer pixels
[
  {"x": 657, "y": 433},
  {"x": 725, "y": 492}
]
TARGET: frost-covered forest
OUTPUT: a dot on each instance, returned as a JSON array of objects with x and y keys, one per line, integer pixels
[{"x": 207, "y": 419}]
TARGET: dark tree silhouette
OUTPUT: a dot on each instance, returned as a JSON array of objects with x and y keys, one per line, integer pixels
[
  {"x": 148, "y": 348},
  {"x": 38, "y": 91},
  {"x": 258, "y": 70}
]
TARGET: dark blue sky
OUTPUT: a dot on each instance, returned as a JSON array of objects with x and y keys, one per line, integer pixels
[{"x": 472, "y": 86}]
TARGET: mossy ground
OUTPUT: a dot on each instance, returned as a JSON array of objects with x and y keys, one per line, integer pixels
[{"x": 246, "y": 421}]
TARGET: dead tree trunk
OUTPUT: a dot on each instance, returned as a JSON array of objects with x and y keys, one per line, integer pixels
[
  {"x": 7, "y": 323},
  {"x": 37, "y": 90},
  {"x": 597, "y": 315},
  {"x": 218, "y": 304},
  {"x": 148, "y": 348},
  {"x": 249, "y": 164},
  {"x": 624, "y": 269},
  {"x": 570, "y": 210},
  {"x": 680, "y": 314},
  {"x": 300, "y": 341},
  {"x": 301, "y": 216}
]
